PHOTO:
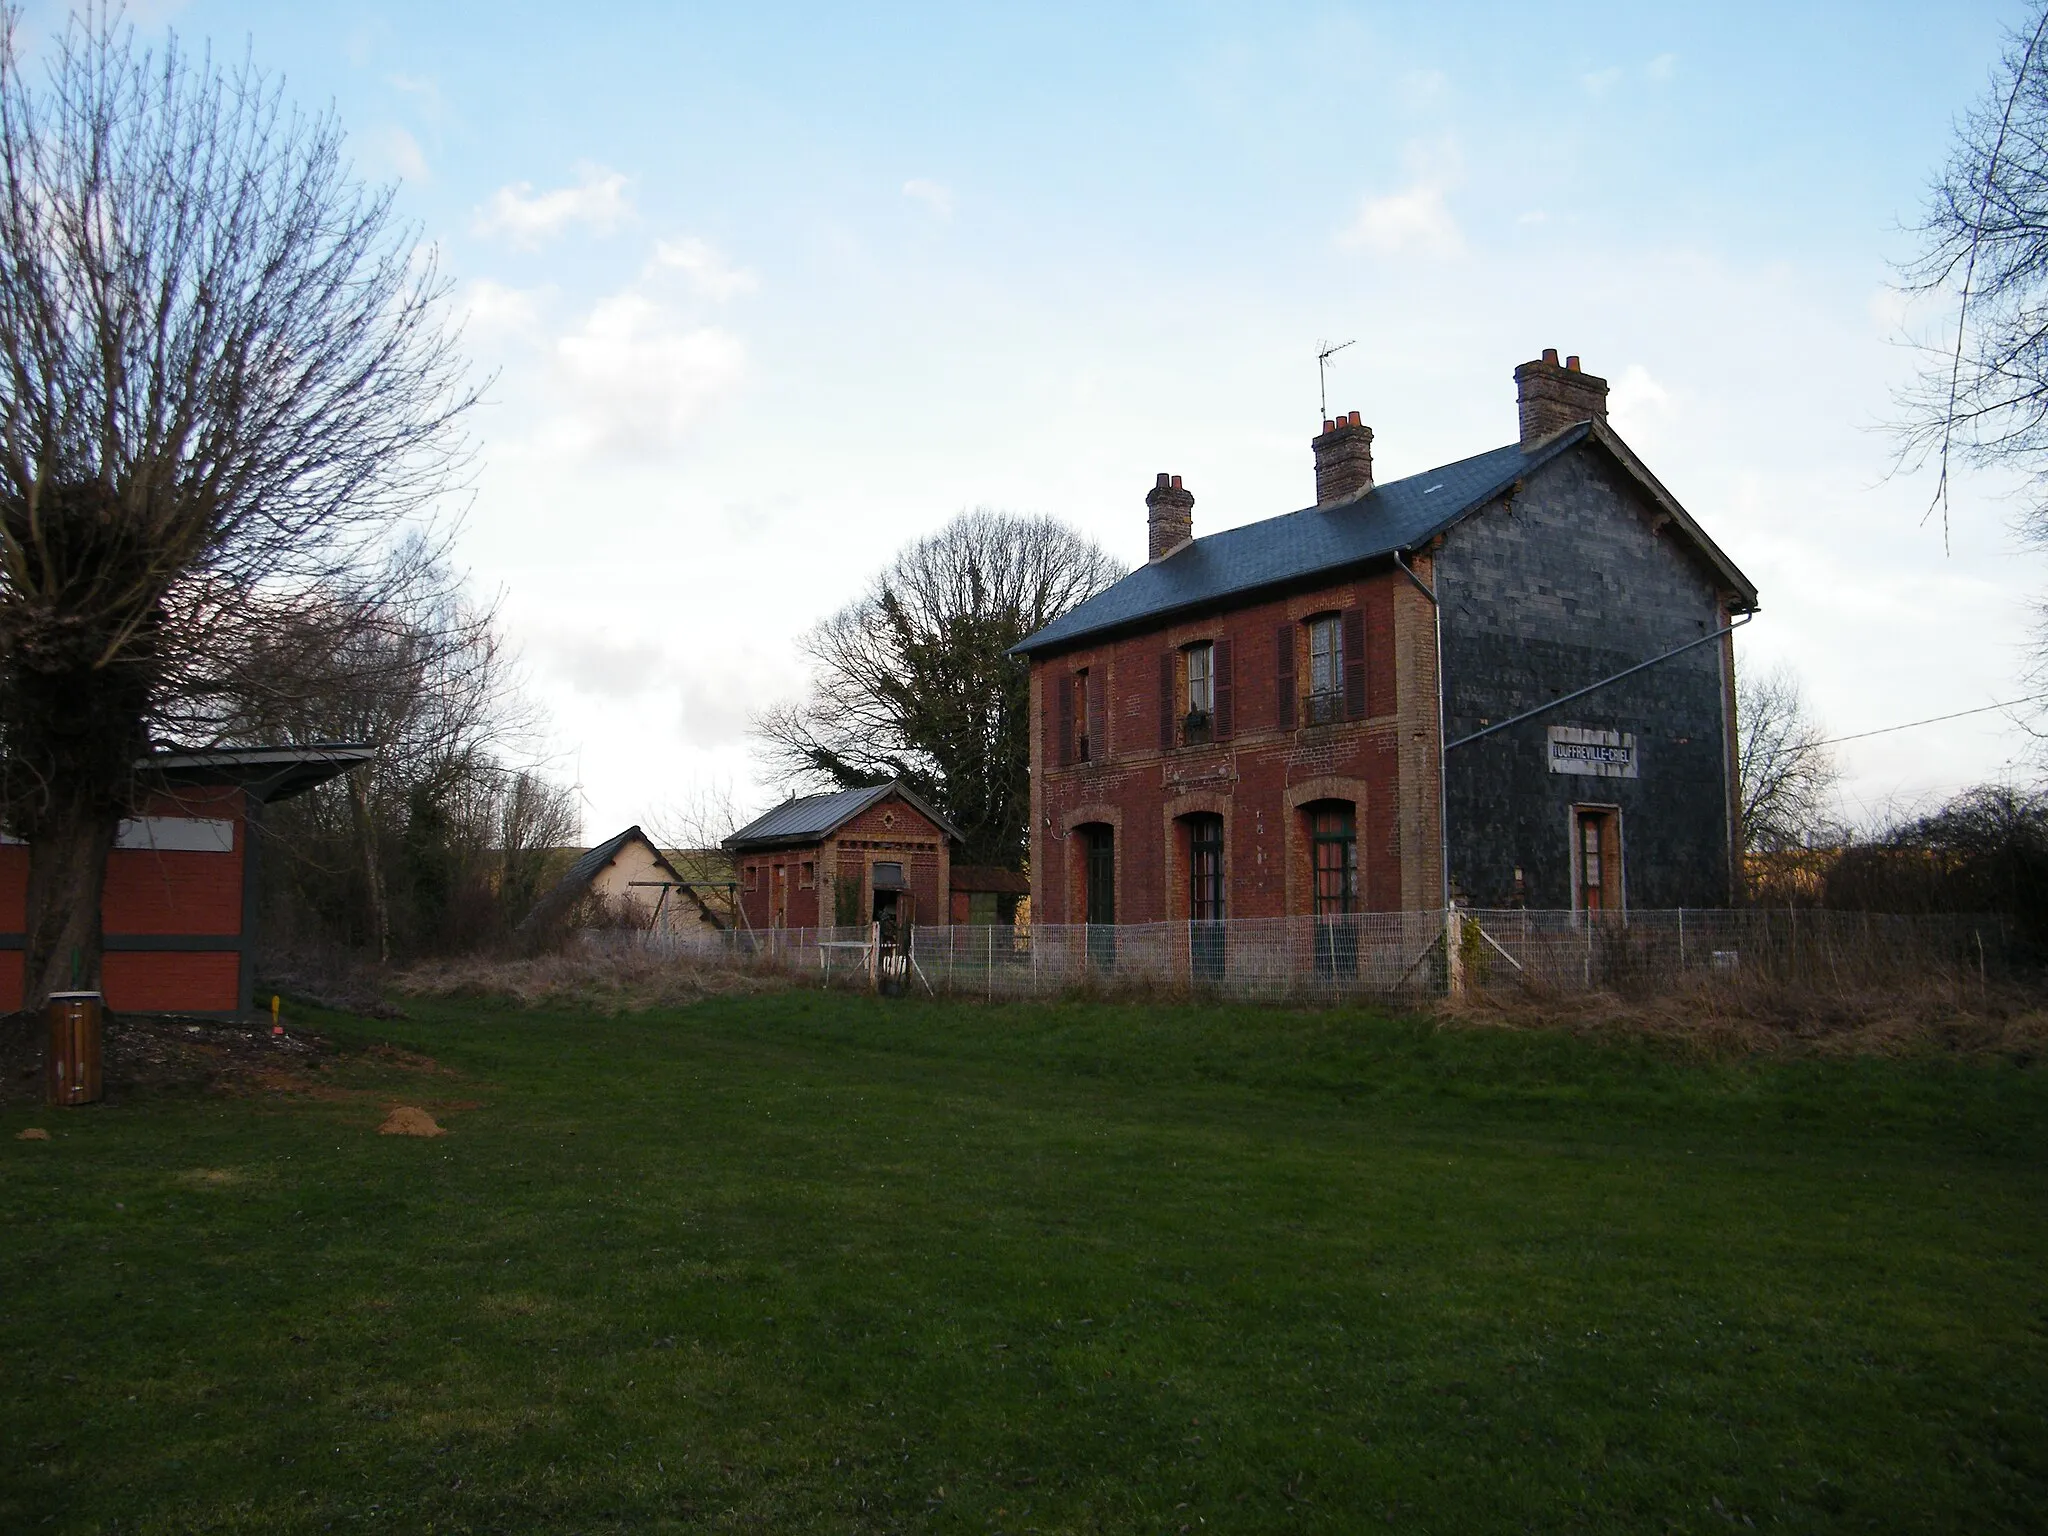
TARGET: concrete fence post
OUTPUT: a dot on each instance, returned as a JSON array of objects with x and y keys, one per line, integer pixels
[{"x": 1454, "y": 954}]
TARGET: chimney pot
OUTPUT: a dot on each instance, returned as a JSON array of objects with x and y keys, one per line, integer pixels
[
  {"x": 1169, "y": 517},
  {"x": 1343, "y": 459},
  {"x": 1551, "y": 398}
]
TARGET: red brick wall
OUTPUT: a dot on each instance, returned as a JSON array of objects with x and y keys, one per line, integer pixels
[
  {"x": 170, "y": 982},
  {"x": 1257, "y": 779},
  {"x": 799, "y": 902},
  {"x": 152, "y": 892},
  {"x": 891, "y": 831}
]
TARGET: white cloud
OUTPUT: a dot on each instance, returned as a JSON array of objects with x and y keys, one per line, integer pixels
[
  {"x": 598, "y": 201},
  {"x": 424, "y": 90},
  {"x": 1422, "y": 88},
  {"x": 1601, "y": 81},
  {"x": 936, "y": 196},
  {"x": 400, "y": 152},
  {"x": 708, "y": 271},
  {"x": 1416, "y": 219},
  {"x": 638, "y": 377},
  {"x": 1662, "y": 67},
  {"x": 492, "y": 311},
  {"x": 1637, "y": 399},
  {"x": 603, "y": 665}
]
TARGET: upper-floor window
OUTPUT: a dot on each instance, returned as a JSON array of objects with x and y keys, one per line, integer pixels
[
  {"x": 1198, "y": 726},
  {"x": 1325, "y": 669},
  {"x": 1201, "y": 678},
  {"x": 1081, "y": 716}
]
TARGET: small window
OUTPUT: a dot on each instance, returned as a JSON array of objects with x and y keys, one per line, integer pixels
[
  {"x": 1325, "y": 670},
  {"x": 1081, "y": 716},
  {"x": 807, "y": 875},
  {"x": 750, "y": 876}
]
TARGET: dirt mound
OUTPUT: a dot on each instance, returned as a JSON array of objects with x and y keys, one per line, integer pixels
[
  {"x": 33, "y": 1133},
  {"x": 405, "y": 1120},
  {"x": 151, "y": 1053}
]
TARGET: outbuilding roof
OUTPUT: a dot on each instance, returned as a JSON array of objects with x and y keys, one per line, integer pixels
[
  {"x": 1389, "y": 519},
  {"x": 576, "y": 879},
  {"x": 810, "y": 817}
]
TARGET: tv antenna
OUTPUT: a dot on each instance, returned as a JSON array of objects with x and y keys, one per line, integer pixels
[{"x": 1323, "y": 356}]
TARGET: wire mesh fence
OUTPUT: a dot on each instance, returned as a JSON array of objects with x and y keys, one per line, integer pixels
[{"x": 1387, "y": 954}]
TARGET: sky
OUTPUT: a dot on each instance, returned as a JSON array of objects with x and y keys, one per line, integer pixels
[{"x": 764, "y": 293}]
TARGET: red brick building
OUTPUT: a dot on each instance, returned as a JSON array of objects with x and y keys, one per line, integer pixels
[
  {"x": 845, "y": 859},
  {"x": 1508, "y": 679},
  {"x": 180, "y": 902}
]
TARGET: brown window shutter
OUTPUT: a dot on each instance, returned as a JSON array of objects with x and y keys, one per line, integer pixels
[
  {"x": 1226, "y": 704},
  {"x": 1098, "y": 731},
  {"x": 1283, "y": 677},
  {"x": 1063, "y": 711},
  {"x": 1354, "y": 663},
  {"x": 1167, "y": 682}
]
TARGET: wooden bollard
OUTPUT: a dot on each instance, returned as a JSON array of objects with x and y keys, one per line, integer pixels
[{"x": 71, "y": 1065}]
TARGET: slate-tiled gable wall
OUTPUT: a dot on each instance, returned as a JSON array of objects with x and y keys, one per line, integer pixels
[{"x": 1563, "y": 584}]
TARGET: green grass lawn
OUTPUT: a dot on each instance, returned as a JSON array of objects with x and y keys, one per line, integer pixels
[{"x": 811, "y": 1263}]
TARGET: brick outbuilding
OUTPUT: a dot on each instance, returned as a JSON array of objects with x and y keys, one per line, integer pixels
[
  {"x": 845, "y": 859},
  {"x": 180, "y": 903},
  {"x": 1509, "y": 679}
]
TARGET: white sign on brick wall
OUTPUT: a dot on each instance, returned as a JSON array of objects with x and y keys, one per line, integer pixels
[{"x": 1602, "y": 754}]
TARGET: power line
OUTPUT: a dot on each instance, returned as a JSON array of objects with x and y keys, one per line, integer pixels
[{"x": 1886, "y": 730}]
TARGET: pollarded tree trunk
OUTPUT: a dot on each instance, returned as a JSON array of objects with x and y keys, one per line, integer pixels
[{"x": 67, "y": 871}]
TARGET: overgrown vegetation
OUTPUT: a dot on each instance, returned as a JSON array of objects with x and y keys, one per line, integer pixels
[{"x": 809, "y": 1263}]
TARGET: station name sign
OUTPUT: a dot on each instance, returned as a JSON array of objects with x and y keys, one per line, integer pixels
[{"x": 1601, "y": 754}]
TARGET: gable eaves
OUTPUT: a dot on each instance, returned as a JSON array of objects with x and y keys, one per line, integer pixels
[{"x": 1733, "y": 581}]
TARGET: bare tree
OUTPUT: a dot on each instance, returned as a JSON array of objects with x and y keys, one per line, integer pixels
[
  {"x": 423, "y": 673},
  {"x": 914, "y": 680},
  {"x": 224, "y": 380},
  {"x": 1787, "y": 774},
  {"x": 1982, "y": 397}
]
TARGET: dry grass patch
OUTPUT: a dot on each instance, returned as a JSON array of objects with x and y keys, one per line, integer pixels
[
  {"x": 607, "y": 984},
  {"x": 1734, "y": 1017}
]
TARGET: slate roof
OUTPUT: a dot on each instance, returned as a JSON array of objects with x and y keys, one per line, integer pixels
[
  {"x": 811, "y": 817},
  {"x": 1398, "y": 516}
]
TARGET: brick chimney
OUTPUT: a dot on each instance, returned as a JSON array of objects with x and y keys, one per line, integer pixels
[
  {"x": 1343, "y": 460},
  {"x": 1553, "y": 397},
  {"x": 1169, "y": 516}
]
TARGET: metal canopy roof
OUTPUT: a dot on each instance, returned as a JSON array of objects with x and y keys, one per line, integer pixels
[
  {"x": 267, "y": 773},
  {"x": 1388, "y": 519}
]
